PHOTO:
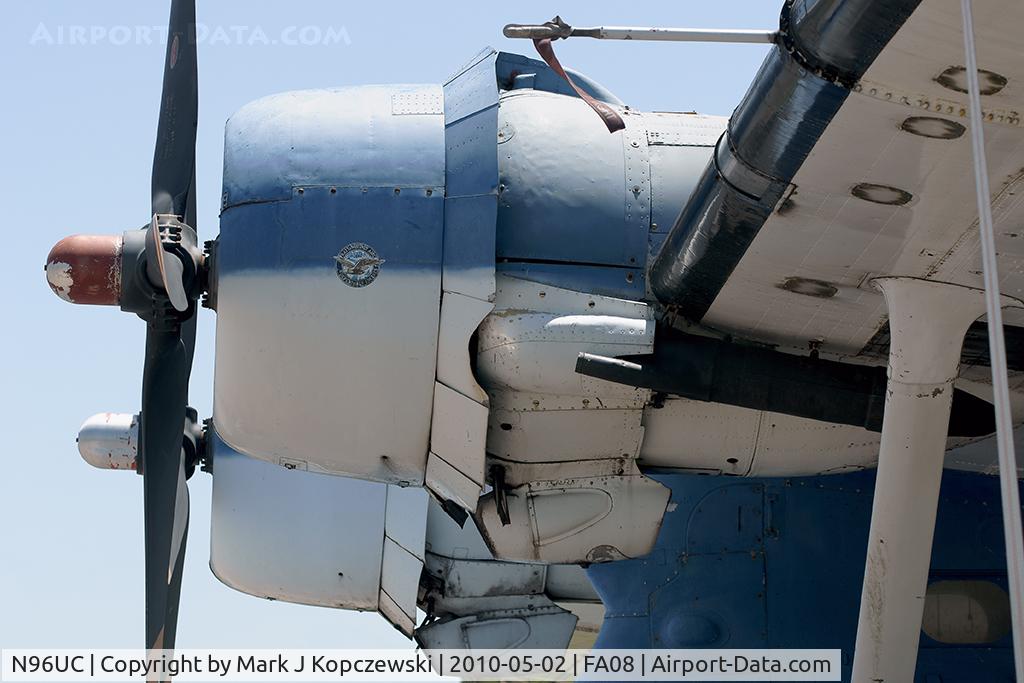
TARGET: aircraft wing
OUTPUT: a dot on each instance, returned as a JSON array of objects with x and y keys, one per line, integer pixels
[{"x": 850, "y": 158}]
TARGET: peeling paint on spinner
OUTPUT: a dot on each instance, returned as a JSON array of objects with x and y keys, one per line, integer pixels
[
  {"x": 86, "y": 269},
  {"x": 110, "y": 441}
]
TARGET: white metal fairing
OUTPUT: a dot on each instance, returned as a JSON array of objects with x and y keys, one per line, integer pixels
[
  {"x": 552, "y": 435},
  {"x": 486, "y": 602},
  {"x": 527, "y": 349},
  {"x": 528, "y": 623},
  {"x": 308, "y": 373},
  {"x": 566, "y": 443},
  {"x": 458, "y": 439},
  {"x": 445, "y": 538},
  {"x": 604, "y": 511},
  {"x": 460, "y": 559},
  {"x": 720, "y": 439},
  {"x": 536, "y": 353},
  {"x": 569, "y": 582},
  {"x": 460, "y": 317},
  {"x": 485, "y": 578},
  {"x": 316, "y": 539},
  {"x": 448, "y": 482},
  {"x": 723, "y": 439},
  {"x": 530, "y": 343},
  {"x": 399, "y": 585},
  {"x": 455, "y": 465},
  {"x": 288, "y": 534}
]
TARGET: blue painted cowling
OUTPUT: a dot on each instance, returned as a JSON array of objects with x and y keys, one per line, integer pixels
[
  {"x": 329, "y": 279},
  {"x": 348, "y": 213},
  {"x": 778, "y": 563}
]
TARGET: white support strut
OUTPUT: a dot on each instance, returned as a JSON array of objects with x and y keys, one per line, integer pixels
[
  {"x": 927, "y": 324},
  {"x": 1012, "y": 528}
]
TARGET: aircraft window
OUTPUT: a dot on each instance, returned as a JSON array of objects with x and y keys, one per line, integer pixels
[{"x": 966, "y": 612}]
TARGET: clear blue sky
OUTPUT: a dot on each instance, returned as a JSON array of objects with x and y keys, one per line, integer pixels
[{"x": 78, "y": 125}]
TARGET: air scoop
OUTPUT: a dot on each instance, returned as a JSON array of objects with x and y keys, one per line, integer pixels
[{"x": 86, "y": 269}]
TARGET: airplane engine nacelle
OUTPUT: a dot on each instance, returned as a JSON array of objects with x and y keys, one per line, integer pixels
[{"x": 363, "y": 234}]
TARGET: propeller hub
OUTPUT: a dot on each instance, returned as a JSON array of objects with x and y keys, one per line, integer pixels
[{"x": 86, "y": 269}]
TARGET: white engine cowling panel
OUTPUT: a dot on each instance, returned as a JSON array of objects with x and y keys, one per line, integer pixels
[
  {"x": 481, "y": 602},
  {"x": 530, "y": 623},
  {"x": 576, "y": 519},
  {"x": 565, "y": 443},
  {"x": 316, "y": 539}
]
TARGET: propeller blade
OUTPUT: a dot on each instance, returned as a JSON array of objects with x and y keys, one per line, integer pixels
[
  {"x": 179, "y": 539},
  {"x": 188, "y": 327},
  {"x": 169, "y": 343},
  {"x": 175, "y": 156},
  {"x": 164, "y": 396},
  {"x": 172, "y": 274},
  {"x": 151, "y": 268},
  {"x": 166, "y": 269}
]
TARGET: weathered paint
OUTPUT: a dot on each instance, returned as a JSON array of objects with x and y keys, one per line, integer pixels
[
  {"x": 307, "y": 174},
  {"x": 790, "y": 575},
  {"x": 288, "y": 534},
  {"x": 86, "y": 269},
  {"x": 928, "y": 321},
  {"x": 824, "y": 48},
  {"x": 110, "y": 441}
]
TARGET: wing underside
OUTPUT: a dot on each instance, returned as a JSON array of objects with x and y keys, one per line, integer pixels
[{"x": 849, "y": 159}]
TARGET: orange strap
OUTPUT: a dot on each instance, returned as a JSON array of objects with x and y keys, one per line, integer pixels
[{"x": 610, "y": 117}]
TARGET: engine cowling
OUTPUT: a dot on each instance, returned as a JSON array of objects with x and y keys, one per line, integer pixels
[
  {"x": 363, "y": 233},
  {"x": 329, "y": 270}
]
